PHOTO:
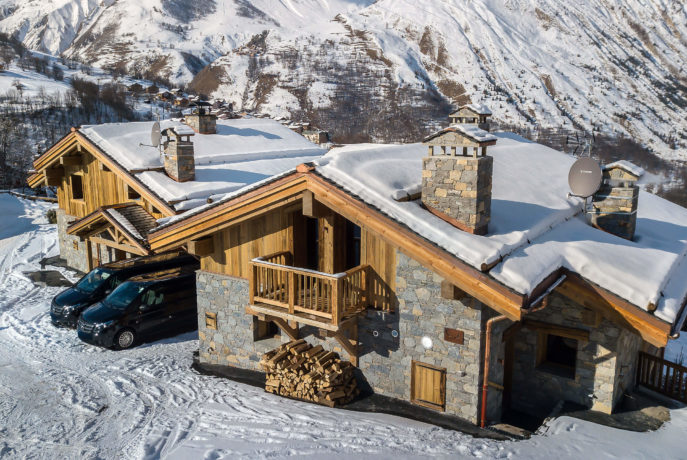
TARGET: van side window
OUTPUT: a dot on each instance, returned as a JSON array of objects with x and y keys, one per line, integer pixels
[{"x": 153, "y": 297}]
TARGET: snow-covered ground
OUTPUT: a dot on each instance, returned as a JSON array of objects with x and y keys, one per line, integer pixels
[{"x": 60, "y": 398}]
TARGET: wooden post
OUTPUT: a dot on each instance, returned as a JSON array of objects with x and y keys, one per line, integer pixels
[
  {"x": 337, "y": 289},
  {"x": 291, "y": 286},
  {"x": 430, "y": 150},
  {"x": 253, "y": 283}
]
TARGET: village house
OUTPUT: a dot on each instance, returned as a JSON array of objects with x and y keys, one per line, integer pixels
[
  {"x": 458, "y": 274},
  {"x": 113, "y": 184}
]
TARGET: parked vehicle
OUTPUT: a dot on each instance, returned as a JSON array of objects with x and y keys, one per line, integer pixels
[
  {"x": 101, "y": 281},
  {"x": 151, "y": 305}
]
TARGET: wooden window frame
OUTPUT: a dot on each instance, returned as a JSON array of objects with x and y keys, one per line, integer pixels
[
  {"x": 559, "y": 370},
  {"x": 442, "y": 389},
  {"x": 71, "y": 187},
  {"x": 210, "y": 320}
]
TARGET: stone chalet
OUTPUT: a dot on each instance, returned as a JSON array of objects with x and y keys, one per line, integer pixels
[{"x": 457, "y": 273}]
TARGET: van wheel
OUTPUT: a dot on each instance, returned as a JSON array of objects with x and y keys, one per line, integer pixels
[{"x": 125, "y": 339}]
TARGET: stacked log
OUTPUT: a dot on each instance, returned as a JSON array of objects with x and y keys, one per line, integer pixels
[{"x": 299, "y": 370}]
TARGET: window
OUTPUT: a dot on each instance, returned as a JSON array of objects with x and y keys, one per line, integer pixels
[
  {"x": 132, "y": 194},
  {"x": 557, "y": 355},
  {"x": 428, "y": 385},
  {"x": 77, "y": 187},
  {"x": 211, "y": 320}
]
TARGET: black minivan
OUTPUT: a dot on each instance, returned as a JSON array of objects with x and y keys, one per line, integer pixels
[
  {"x": 99, "y": 282},
  {"x": 151, "y": 305}
]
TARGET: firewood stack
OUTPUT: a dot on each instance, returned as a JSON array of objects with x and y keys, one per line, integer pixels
[{"x": 299, "y": 370}]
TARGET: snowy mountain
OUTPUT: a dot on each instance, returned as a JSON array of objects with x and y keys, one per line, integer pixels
[{"x": 386, "y": 69}]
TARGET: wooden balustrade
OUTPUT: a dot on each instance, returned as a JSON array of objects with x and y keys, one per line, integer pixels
[
  {"x": 662, "y": 376},
  {"x": 330, "y": 297}
]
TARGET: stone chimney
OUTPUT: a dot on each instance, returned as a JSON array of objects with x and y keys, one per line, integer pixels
[
  {"x": 614, "y": 205},
  {"x": 472, "y": 114},
  {"x": 456, "y": 177},
  {"x": 202, "y": 122},
  {"x": 180, "y": 164}
]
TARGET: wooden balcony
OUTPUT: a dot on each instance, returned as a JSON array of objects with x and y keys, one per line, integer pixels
[{"x": 323, "y": 300}]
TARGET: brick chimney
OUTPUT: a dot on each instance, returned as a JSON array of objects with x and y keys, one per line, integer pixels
[
  {"x": 456, "y": 177},
  {"x": 202, "y": 122},
  {"x": 180, "y": 164},
  {"x": 614, "y": 205}
]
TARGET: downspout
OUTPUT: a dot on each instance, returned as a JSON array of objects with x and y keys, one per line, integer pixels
[{"x": 543, "y": 301}]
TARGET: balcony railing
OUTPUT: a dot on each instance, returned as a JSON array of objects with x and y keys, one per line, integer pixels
[{"x": 296, "y": 290}]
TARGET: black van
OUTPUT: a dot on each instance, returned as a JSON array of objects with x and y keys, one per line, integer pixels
[
  {"x": 99, "y": 282},
  {"x": 150, "y": 305}
]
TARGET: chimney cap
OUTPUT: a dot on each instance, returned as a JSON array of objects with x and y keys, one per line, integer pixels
[{"x": 472, "y": 132}]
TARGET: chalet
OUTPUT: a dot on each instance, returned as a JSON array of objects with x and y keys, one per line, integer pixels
[
  {"x": 472, "y": 114},
  {"x": 113, "y": 184},
  {"x": 509, "y": 300}
]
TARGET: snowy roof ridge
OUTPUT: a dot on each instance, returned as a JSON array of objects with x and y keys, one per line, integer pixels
[{"x": 627, "y": 166}]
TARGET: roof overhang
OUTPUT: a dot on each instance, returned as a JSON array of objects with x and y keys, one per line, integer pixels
[{"x": 100, "y": 221}]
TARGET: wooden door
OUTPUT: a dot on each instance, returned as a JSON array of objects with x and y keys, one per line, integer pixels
[{"x": 428, "y": 385}]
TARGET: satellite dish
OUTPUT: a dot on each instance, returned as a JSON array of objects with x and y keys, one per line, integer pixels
[
  {"x": 584, "y": 177},
  {"x": 155, "y": 134}
]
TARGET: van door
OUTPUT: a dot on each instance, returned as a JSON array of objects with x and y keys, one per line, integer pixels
[
  {"x": 181, "y": 304},
  {"x": 152, "y": 310}
]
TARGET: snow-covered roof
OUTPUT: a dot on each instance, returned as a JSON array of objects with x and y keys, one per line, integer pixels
[
  {"x": 242, "y": 152},
  {"x": 473, "y": 132},
  {"x": 535, "y": 227},
  {"x": 480, "y": 109},
  {"x": 626, "y": 166}
]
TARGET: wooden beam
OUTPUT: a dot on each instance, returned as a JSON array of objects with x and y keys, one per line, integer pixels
[
  {"x": 555, "y": 329},
  {"x": 284, "y": 326},
  {"x": 312, "y": 207},
  {"x": 650, "y": 328},
  {"x": 75, "y": 160},
  {"x": 351, "y": 346},
  {"x": 202, "y": 247},
  {"x": 123, "y": 247}
]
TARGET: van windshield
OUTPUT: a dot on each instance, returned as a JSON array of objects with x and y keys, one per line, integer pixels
[
  {"x": 125, "y": 293},
  {"x": 93, "y": 280}
]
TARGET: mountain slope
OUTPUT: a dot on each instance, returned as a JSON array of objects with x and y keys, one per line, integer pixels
[{"x": 387, "y": 69}]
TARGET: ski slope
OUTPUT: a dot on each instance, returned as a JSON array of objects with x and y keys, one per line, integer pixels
[{"x": 60, "y": 398}]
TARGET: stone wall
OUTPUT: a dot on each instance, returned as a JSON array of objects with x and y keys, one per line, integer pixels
[
  {"x": 604, "y": 365},
  {"x": 389, "y": 342},
  {"x": 179, "y": 161},
  {"x": 72, "y": 250},
  {"x": 202, "y": 124},
  {"x": 232, "y": 343},
  {"x": 614, "y": 209},
  {"x": 459, "y": 187}
]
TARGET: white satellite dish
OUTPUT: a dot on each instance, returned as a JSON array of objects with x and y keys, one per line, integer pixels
[
  {"x": 155, "y": 134},
  {"x": 585, "y": 177}
]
